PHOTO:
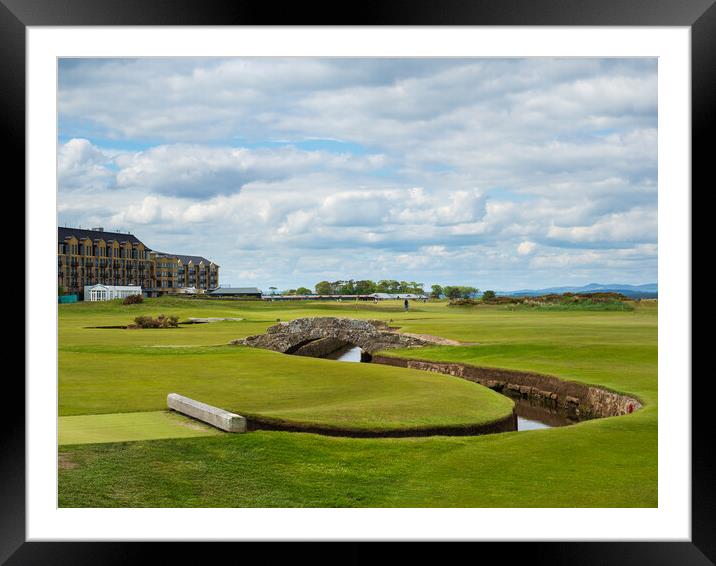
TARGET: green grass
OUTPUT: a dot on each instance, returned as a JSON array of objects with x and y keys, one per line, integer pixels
[
  {"x": 122, "y": 427},
  {"x": 602, "y": 463},
  {"x": 254, "y": 382}
]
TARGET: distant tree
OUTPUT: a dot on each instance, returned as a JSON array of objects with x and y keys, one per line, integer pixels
[
  {"x": 347, "y": 287},
  {"x": 323, "y": 288},
  {"x": 289, "y": 292},
  {"x": 303, "y": 291},
  {"x": 468, "y": 292},
  {"x": 364, "y": 287},
  {"x": 452, "y": 292},
  {"x": 459, "y": 291},
  {"x": 273, "y": 290},
  {"x": 337, "y": 287},
  {"x": 388, "y": 286},
  {"x": 409, "y": 287},
  {"x": 488, "y": 295},
  {"x": 436, "y": 291}
]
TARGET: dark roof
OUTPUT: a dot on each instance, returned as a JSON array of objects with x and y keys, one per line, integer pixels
[
  {"x": 81, "y": 233},
  {"x": 236, "y": 291},
  {"x": 196, "y": 259}
]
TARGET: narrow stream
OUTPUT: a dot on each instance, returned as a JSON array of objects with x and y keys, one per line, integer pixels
[{"x": 530, "y": 415}]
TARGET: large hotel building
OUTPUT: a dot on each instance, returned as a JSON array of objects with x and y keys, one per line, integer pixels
[{"x": 88, "y": 257}]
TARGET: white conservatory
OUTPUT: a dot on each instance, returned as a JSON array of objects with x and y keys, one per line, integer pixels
[{"x": 108, "y": 292}]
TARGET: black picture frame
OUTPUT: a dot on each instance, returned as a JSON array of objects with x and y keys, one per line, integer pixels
[{"x": 698, "y": 15}]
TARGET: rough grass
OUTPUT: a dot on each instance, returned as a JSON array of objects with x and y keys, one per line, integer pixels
[
  {"x": 600, "y": 463},
  {"x": 580, "y": 305}
]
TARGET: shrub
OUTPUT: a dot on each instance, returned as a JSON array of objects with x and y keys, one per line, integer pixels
[
  {"x": 580, "y": 301},
  {"x": 462, "y": 302},
  {"x": 133, "y": 300},
  {"x": 504, "y": 300},
  {"x": 161, "y": 321}
]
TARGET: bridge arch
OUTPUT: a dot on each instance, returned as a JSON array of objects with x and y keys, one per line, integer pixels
[{"x": 369, "y": 335}]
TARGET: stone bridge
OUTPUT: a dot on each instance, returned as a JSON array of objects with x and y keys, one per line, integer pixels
[{"x": 319, "y": 336}]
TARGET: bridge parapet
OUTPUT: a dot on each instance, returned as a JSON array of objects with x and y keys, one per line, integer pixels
[{"x": 369, "y": 335}]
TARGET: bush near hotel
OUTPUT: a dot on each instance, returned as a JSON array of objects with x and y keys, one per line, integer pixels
[
  {"x": 161, "y": 321},
  {"x": 133, "y": 300}
]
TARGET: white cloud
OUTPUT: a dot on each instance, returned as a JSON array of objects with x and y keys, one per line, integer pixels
[
  {"x": 636, "y": 225},
  {"x": 455, "y": 169},
  {"x": 526, "y": 247},
  {"x": 81, "y": 165},
  {"x": 201, "y": 171}
]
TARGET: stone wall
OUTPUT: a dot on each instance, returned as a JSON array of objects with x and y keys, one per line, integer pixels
[{"x": 581, "y": 399}]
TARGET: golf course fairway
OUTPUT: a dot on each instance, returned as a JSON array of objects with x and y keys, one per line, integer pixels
[{"x": 124, "y": 450}]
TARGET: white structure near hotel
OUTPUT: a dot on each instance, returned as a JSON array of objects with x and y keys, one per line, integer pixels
[
  {"x": 108, "y": 292},
  {"x": 188, "y": 291}
]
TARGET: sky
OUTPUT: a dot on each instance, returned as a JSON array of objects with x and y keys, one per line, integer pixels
[{"x": 496, "y": 173}]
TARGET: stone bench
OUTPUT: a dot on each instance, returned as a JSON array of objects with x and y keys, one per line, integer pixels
[{"x": 214, "y": 416}]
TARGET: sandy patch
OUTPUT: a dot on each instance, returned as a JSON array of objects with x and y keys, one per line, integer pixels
[
  {"x": 438, "y": 340},
  {"x": 170, "y": 345},
  {"x": 213, "y": 319},
  {"x": 64, "y": 462}
]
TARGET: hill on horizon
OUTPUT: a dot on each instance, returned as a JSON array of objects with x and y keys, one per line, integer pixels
[{"x": 645, "y": 291}]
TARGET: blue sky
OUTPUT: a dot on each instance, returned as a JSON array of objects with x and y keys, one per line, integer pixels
[{"x": 498, "y": 173}]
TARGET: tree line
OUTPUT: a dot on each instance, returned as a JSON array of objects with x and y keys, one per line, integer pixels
[
  {"x": 453, "y": 291},
  {"x": 366, "y": 287},
  {"x": 393, "y": 286}
]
